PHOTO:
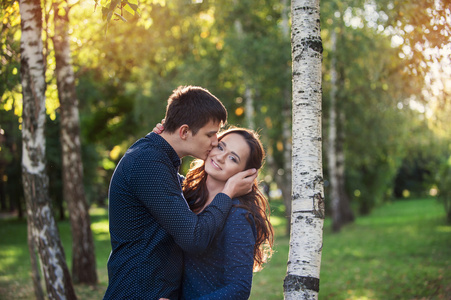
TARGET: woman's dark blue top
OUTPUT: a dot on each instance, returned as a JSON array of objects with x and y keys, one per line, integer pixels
[{"x": 224, "y": 270}]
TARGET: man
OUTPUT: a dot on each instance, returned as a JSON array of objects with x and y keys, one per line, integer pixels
[{"x": 150, "y": 221}]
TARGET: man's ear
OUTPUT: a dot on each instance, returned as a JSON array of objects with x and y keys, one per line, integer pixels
[{"x": 183, "y": 131}]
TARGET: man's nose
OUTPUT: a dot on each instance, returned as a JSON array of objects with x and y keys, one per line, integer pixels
[{"x": 214, "y": 141}]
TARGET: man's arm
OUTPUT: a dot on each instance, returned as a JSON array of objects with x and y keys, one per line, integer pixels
[{"x": 157, "y": 186}]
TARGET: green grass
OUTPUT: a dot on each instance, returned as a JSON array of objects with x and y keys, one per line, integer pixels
[{"x": 401, "y": 251}]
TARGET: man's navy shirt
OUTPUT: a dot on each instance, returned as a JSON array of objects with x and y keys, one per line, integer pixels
[{"x": 151, "y": 223}]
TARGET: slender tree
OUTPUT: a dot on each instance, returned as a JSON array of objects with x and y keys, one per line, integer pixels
[
  {"x": 332, "y": 139},
  {"x": 302, "y": 280},
  {"x": 340, "y": 205},
  {"x": 43, "y": 232},
  {"x": 83, "y": 258}
]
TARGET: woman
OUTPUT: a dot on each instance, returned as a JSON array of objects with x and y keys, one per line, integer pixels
[{"x": 224, "y": 270}]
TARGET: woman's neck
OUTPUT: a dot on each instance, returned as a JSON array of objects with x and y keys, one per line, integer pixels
[{"x": 214, "y": 187}]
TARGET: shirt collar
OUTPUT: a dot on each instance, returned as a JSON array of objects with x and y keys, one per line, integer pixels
[{"x": 158, "y": 140}]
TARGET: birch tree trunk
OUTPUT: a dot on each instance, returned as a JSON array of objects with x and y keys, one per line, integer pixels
[
  {"x": 250, "y": 111},
  {"x": 304, "y": 260},
  {"x": 332, "y": 139},
  {"x": 248, "y": 95},
  {"x": 340, "y": 204},
  {"x": 83, "y": 257},
  {"x": 35, "y": 274},
  {"x": 347, "y": 215},
  {"x": 44, "y": 232}
]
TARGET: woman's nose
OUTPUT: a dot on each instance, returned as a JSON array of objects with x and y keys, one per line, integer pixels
[{"x": 221, "y": 157}]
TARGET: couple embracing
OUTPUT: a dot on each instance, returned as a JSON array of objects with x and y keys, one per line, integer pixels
[{"x": 194, "y": 237}]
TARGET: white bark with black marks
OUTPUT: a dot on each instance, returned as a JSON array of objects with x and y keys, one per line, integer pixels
[
  {"x": 43, "y": 231},
  {"x": 302, "y": 280}
]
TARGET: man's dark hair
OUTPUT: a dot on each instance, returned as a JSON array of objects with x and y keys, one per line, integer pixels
[{"x": 194, "y": 106}]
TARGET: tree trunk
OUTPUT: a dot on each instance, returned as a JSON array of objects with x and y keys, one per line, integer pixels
[
  {"x": 44, "y": 232},
  {"x": 332, "y": 140},
  {"x": 347, "y": 215},
  {"x": 248, "y": 95},
  {"x": 35, "y": 275},
  {"x": 302, "y": 280},
  {"x": 249, "y": 102},
  {"x": 83, "y": 256}
]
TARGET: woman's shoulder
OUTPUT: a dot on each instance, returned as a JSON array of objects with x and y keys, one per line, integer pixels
[
  {"x": 236, "y": 206},
  {"x": 239, "y": 212}
]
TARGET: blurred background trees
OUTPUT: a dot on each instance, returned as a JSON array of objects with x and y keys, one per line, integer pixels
[{"x": 392, "y": 88}]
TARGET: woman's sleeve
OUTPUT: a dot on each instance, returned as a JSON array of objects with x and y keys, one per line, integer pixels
[{"x": 238, "y": 257}]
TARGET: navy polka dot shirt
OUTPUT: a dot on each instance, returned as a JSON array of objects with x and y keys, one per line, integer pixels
[
  {"x": 224, "y": 270},
  {"x": 151, "y": 223}
]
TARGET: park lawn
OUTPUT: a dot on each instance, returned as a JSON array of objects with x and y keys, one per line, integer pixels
[{"x": 401, "y": 251}]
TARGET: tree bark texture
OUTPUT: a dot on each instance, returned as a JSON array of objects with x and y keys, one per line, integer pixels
[
  {"x": 287, "y": 177},
  {"x": 44, "y": 232},
  {"x": 302, "y": 280},
  {"x": 35, "y": 274},
  {"x": 83, "y": 255}
]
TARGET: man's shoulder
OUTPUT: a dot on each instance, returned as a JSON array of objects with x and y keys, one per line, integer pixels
[{"x": 148, "y": 149}]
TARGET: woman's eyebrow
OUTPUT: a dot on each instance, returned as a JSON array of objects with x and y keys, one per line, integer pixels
[{"x": 233, "y": 152}]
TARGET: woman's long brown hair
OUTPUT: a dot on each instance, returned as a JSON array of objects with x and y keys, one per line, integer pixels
[{"x": 196, "y": 193}]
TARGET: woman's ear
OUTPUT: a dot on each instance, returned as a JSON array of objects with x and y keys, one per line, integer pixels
[{"x": 183, "y": 131}]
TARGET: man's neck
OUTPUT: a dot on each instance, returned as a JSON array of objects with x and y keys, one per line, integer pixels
[{"x": 174, "y": 140}]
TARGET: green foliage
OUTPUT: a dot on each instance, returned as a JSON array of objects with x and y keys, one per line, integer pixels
[
  {"x": 10, "y": 108},
  {"x": 9, "y": 51},
  {"x": 372, "y": 88},
  {"x": 117, "y": 8},
  {"x": 11, "y": 162},
  {"x": 125, "y": 76}
]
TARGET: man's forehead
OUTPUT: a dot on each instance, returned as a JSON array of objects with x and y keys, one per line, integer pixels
[{"x": 211, "y": 127}]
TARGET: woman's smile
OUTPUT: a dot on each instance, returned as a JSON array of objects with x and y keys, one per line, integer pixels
[{"x": 215, "y": 165}]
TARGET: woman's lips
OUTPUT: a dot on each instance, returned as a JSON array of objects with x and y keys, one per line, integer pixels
[{"x": 215, "y": 165}]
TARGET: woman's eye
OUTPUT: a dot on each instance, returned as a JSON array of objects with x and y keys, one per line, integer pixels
[
  {"x": 219, "y": 147},
  {"x": 232, "y": 158}
]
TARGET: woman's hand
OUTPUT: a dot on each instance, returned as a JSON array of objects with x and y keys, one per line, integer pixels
[{"x": 159, "y": 128}]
